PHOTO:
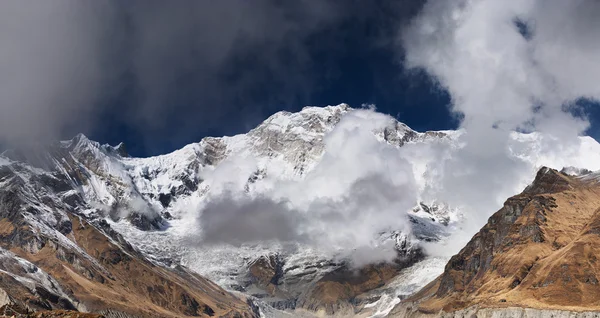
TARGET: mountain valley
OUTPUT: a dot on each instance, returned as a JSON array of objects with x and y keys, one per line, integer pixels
[{"x": 328, "y": 211}]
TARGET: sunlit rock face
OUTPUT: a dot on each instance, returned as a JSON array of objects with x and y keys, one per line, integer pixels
[
  {"x": 287, "y": 213},
  {"x": 535, "y": 257}
]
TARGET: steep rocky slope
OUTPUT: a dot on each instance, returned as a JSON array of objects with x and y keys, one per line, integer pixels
[
  {"x": 72, "y": 209},
  {"x": 52, "y": 256},
  {"x": 540, "y": 251},
  {"x": 99, "y": 223}
]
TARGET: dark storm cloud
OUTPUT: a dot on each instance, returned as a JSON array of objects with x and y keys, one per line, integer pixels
[
  {"x": 163, "y": 69},
  {"x": 215, "y": 64},
  {"x": 338, "y": 227},
  {"x": 232, "y": 219},
  {"x": 63, "y": 61},
  {"x": 50, "y": 66},
  {"x": 205, "y": 58},
  {"x": 244, "y": 220}
]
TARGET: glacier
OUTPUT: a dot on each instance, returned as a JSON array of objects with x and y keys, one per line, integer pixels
[{"x": 327, "y": 185}]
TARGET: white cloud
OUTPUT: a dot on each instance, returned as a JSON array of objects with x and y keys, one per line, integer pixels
[
  {"x": 360, "y": 188},
  {"x": 496, "y": 75},
  {"x": 502, "y": 81}
]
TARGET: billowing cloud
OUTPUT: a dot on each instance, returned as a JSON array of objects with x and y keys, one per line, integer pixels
[
  {"x": 51, "y": 68},
  {"x": 497, "y": 76},
  {"x": 508, "y": 66},
  {"x": 246, "y": 220},
  {"x": 361, "y": 189},
  {"x": 162, "y": 71}
]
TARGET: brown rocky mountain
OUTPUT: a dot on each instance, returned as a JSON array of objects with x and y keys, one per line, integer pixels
[
  {"x": 16, "y": 311},
  {"x": 340, "y": 292},
  {"x": 53, "y": 259},
  {"x": 85, "y": 227},
  {"x": 539, "y": 251}
]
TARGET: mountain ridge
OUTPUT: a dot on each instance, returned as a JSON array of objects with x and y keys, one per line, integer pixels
[
  {"x": 54, "y": 259},
  {"x": 152, "y": 206},
  {"x": 536, "y": 253}
]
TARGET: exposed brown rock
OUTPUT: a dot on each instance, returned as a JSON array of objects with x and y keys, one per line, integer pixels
[
  {"x": 108, "y": 276},
  {"x": 125, "y": 282},
  {"x": 266, "y": 271},
  {"x": 338, "y": 291},
  {"x": 539, "y": 251},
  {"x": 74, "y": 264},
  {"x": 20, "y": 312}
]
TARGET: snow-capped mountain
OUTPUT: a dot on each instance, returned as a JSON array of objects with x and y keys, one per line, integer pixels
[
  {"x": 58, "y": 251},
  {"x": 281, "y": 212}
]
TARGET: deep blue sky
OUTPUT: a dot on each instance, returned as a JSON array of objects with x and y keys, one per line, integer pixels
[
  {"x": 158, "y": 75},
  {"x": 352, "y": 57},
  {"x": 355, "y": 75},
  {"x": 225, "y": 76}
]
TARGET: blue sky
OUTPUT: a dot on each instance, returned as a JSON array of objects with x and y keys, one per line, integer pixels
[
  {"x": 355, "y": 71},
  {"x": 158, "y": 76},
  {"x": 351, "y": 57}
]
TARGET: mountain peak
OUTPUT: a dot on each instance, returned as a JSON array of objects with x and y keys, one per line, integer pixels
[
  {"x": 80, "y": 138},
  {"x": 308, "y": 123},
  {"x": 119, "y": 150},
  {"x": 548, "y": 180},
  {"x": 79, "y": 143},
  {"x": 537, "y": 251},
  {"x": 340, "y": 107}
]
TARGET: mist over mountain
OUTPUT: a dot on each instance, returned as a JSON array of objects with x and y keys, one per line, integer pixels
[
  {"x": 458, "y": 179},
  {"x": 334, "y": 187}
]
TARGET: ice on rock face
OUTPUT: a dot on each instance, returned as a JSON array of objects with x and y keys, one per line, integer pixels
[
  {"x": 156, "y": 202},
  {"x": 408, "y": 281},
  {"x": 30, "y": 276}
]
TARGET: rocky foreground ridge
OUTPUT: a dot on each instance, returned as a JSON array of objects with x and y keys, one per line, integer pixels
[
  {"x": 55, "y": 257},
  {"x": 65, "y": 209},
  {"x": 85, "y": 227},
  {"x": 536, "y": 257}
]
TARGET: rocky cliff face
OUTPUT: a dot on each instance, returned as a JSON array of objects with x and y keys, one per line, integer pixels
[
  {"x": 106, "y": 230},
  {"x": 87, "y": 216},
  {"x": 56, "y": 253},
  {"x": 539, "y": 251},
  {"x": 411, "y": 312}
]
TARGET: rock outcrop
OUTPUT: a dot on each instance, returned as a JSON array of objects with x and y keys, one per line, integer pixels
[
  {"x": 407, "y": 311},
  {"x": 56, "y": 259},
  {"x": 143, "y": 215},
  {"x": 540, "y": 251}
]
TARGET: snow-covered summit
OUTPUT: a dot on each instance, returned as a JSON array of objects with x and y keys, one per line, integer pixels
[{"x": 308, "y": 169}]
